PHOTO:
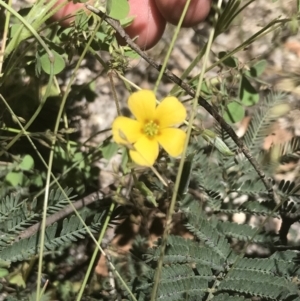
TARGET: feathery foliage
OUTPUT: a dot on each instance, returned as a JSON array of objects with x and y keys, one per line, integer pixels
[
  {"x": 16, "y": 218},
  {"x": 215, "y": 263}
]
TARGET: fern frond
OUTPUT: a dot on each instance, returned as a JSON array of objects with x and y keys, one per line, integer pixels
[
  {"x": 278, "y": 289},
  {"x": 206, "y": 164},
  {"x": 287, "y": 151},
  {"x": 227, "y": 297},
  {"x": 288, "y": 256},
  {"x": 264, "y": 208},
  {"x": 203, "y": 229},
  {"x": 8, "y": 206},
  {"x": 243, "y": 232},
  {"x": 262, "y": 277},
  {"x": 272, "y": 266},
  {"x": 214, "y": 200},
  {"x": 182, "y": 250},
  {"x": 189, "y": 288},
  {"x": 57, "y": 200},
  {"x": 15, "y": 216},
  {"x": 72, "y": 230},
  {"x": 56, "y": 195},
  {"x": 250, "y": 183},
  {"x": 261, "y": 121},
  {"x": 179, "y": 271},
  {"x": 176, "y": 271}
]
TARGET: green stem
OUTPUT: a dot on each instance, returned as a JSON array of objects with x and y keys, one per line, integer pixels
[
  {"x": 50, "y": 164},
  {"x": 252, "y": 39},
  {"x": 114, "y": 93},
  {"x": 180, "y": 169},
  {"x": 4, "y": 38},
  {"x": 92, "y": 261},
  {"x": 178, "y": 27}
]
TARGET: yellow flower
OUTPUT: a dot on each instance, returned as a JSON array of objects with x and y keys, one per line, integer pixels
[{"x": 152, "y": 127}]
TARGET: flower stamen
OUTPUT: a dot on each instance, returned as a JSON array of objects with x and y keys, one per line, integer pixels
[{"x": 151, "y": 129}]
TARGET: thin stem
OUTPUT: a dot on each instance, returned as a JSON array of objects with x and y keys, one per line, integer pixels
[
  {"x": 57, "y": 216},
  {"x": 174, "y": 38},
  {"x": 50, "y": 163},
  {"x": 49, "y": 86},
  {"x": 114, "y": 93},
  {"x": 94, "y": 256},
  {"x": 4, "y": 38},
  {"x": 180, "y": 169}
]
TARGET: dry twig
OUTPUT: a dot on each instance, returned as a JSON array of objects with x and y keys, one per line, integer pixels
[{"x": 51, "y": 219}]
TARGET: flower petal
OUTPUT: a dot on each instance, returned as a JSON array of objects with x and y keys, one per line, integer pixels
[
  {"x": 170, "y": 112},
  {"x": 172, "y": 140},
  {"x": 126, "y": 130},
  {"x": 142, "y": 105},
  {"x": 146, "y": 151}
]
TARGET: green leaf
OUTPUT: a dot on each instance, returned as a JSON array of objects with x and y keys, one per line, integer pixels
[
  {"x": 14, "y": 29},
  {"x": 145, "y": 191},
  {"x": 205, "y": 88},
  {"x": 248, "y": 94},
  {"x": 17, "y": 279},
  {"x": 234, "y": 112},
  {"x": 27, "y": 163},
  {"x": 109, "y": 149},
  {"x": 14, "y": 178},
  {"x": 231, "y": 62},
  {"x": 101, "y": 36},
  {"x": 213, "y": 139},
  {"x": 58, "y": 66},
  {"x": 3, "y": 272},
  {"x": 117, "y": 9},
  {"x": 130, "y": 53},
  {"x": 37, "y": 180},
  {"x": 54, "y": 91},
  {"x": 125, "y": 160},
  {"x": 258, "y": 68},
  {"x": 4, "y": 264}
]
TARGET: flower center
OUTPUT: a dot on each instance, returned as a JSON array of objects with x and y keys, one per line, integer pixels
[{"x": 151, "y": 129}]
